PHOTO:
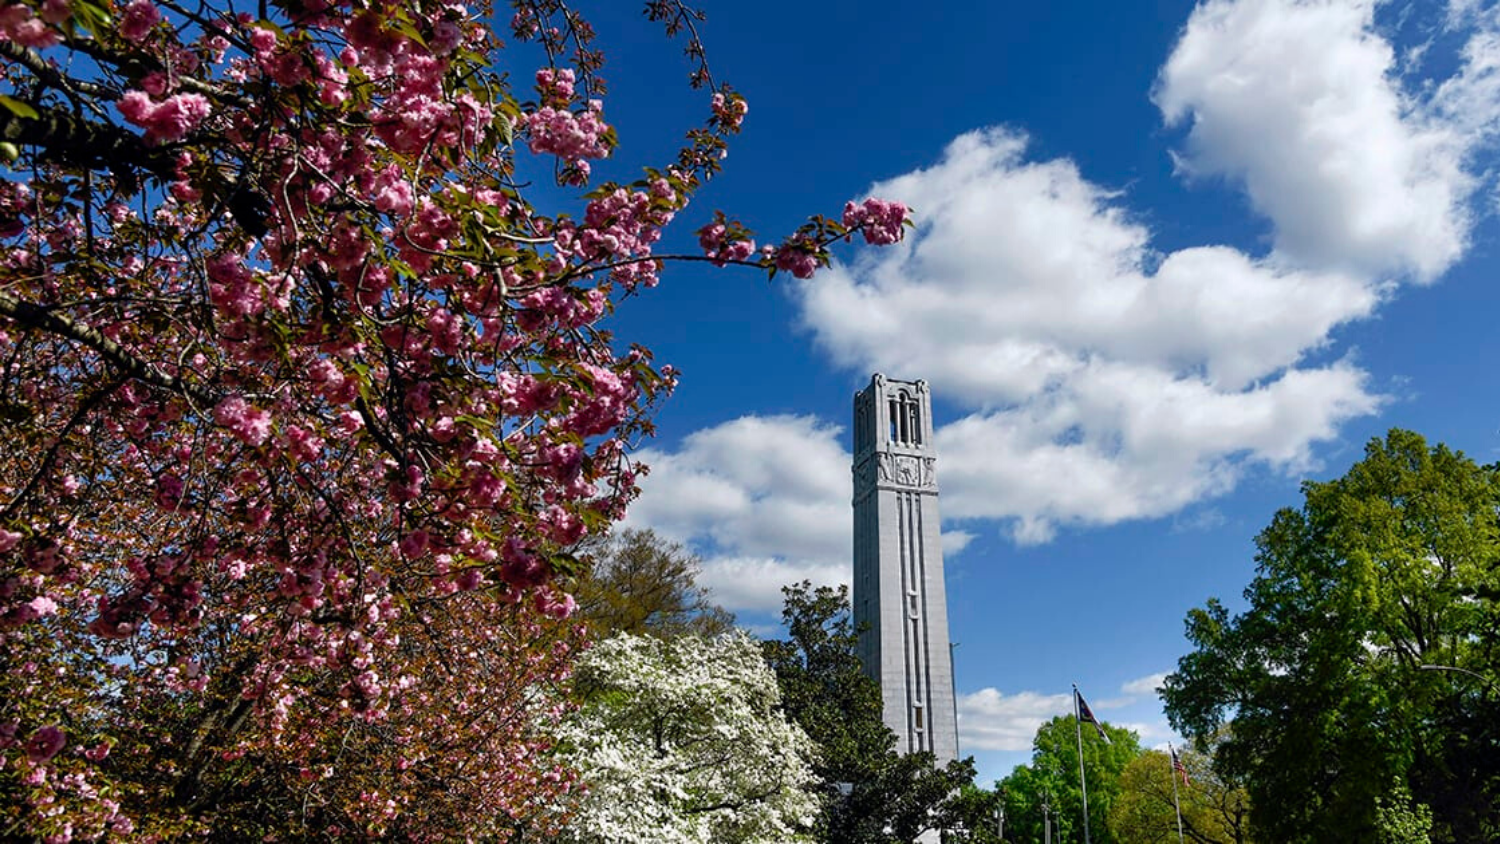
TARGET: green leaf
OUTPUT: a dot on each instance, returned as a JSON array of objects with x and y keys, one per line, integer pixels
[{"x": 20, "y": 108}]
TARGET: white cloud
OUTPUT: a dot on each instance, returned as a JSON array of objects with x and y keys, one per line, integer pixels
[
  {"x": 955, "y": 541},
  {"x": 1145, "y": 685},
  {"x": 1146, "y": 731},
  {"x": 755, "y": 584},
  {"x": 990, "y": 720},
  {"x": 765, "y": 500},
  {"x": 1108, "y": 382},
  {"x": 1102, "y": 379},
  {"x": 1021, "y": 272},
  {"x": 1301, "y": 102}
]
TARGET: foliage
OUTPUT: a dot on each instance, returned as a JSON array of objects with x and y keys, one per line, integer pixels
[
  {"x": 637, "y": 582},
  {"x": 1385, "y": 570},
  {"x": 974, "y": 810},
  {"x": 1052, "y": 778},
  {"x": 301, "y": 397},
  {"x": 683, "y": 740},
  {"x": 1400, "y": 820},
  {"x": 892, "y": 797},
  {"x": 1213, "y": 811}
]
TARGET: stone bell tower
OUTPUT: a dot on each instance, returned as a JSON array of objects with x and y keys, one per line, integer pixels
[{"x": 899, "y": 598}]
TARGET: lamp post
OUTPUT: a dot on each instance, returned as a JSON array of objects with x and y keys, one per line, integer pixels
[{"x": 1454, "y": 668}]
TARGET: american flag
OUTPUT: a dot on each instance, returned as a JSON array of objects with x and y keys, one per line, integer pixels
[{"x": 1177, "y": 764}]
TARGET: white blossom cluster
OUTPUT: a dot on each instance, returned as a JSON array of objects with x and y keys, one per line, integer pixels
[{"x": 684, "y": 740}]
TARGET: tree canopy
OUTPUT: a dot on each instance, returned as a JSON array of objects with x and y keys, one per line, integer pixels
[
  {"x": 1213, "y": 811},
  {"x": 1363, "y": 672},
  {"x": 305, "y": 401},
  {"x": 1052, "y": 778},
  {"x": 634, "y": 581}
]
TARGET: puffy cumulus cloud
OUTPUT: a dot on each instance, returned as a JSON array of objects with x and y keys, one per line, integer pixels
[
  {"x": 1020, "y": 272},
  {"x": 1119, "y": 442},
  {"x": 990, "y": 720},
  {"x": 765, "y": 500},
  {"x": 1107, "y": 381},
  {"x": 754, "y": 584},
  {"x": 1301, "y": 102},
  {"x": 1145, "y": 685}
]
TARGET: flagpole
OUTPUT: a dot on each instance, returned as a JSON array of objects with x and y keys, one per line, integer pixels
[
  {"x": 1172, "y": 772},
  {"x": 1083, "y": 783}
]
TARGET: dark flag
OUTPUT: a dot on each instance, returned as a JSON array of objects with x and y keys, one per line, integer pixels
[
  {"x": 1178, "y": 766},
  {"x": 1087, "y": 715}
]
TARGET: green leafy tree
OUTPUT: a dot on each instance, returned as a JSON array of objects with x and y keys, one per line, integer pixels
[
  {"x": 974, "y": 811},
  {"x": 891, "y": 797},
  {"x": 1381, "y": 573},
  {"x": 1052, "y": 778},
  {"x": 1213, "y": 811},
  {"x": 638, "y": 582}
]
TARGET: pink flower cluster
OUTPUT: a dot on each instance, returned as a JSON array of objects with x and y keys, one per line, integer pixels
[
  {"x": 730, "y": 111},
  {"x": 881, "y": 220},
  {"x": 555, "y": 86},
  {"x": 713, "y": 238},
  {"x": 19, "y": 24},
  {"x": 166, "y": 121},
  {"x": 137, "y": 19},
  {"x": 569, "y": 136},
  {"x": 798, "y": 257},
  {"x": 44, "y": 744},
  {"x": 250, "y": 425}
]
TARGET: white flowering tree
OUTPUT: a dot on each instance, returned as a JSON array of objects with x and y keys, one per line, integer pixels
[{"x": 684, "y": 740}]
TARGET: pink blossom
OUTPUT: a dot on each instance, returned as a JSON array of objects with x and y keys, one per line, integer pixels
[
  {"x": 554, "y": 604},
  {"x": 56, "y": 11},
  {"x": 730, "y": 111},
  {"x": 415, "y": 544},
  {"x": 882, "y": 221},
  {"x": 12, "y": 15},
  {"x": 44, "y": 744},
  {"x": 446, "y": 36},
  {"x": 34, "y": 33},
  {"x": 137, "y": 19},
  {"x": 716, "y": 245},
  {"x": 166, "y": 121},
  {"x": 247, "y": 423},
  {"x": 42, "y": 606},
  {"x": 555, "y": 86},
  {"x": 800, "y": 262},
  {"x": 567, "y": 135},
  {"x": 8, "y": 540},
  {"x": 393, "y": 192}
]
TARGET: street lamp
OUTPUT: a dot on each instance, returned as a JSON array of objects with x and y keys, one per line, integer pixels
[{"x": 1475, "y": 674}]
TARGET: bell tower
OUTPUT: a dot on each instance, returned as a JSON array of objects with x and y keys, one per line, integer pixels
[{"x": 899, "y": 598}]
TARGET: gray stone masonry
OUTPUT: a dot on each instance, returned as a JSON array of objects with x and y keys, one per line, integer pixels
[{"x": 898, "y": 566}]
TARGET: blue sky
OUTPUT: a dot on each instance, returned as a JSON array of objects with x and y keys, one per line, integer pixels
[{"x": 1171, "y": 259}]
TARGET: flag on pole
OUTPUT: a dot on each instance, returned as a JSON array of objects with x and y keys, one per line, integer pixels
[
  {"x": 1177, "y": 765},
  {"x": 1087, "y": 715}
]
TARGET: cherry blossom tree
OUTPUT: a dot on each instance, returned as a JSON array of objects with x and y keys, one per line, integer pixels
[
  {"x": 684, "y": 739},
  {"x": 304, "y": 403}
]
